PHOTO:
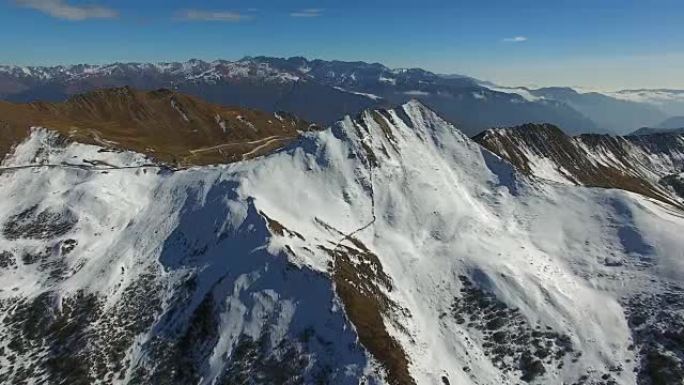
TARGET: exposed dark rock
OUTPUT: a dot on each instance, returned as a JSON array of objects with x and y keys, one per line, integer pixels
[
  {"x": 7, "y": 260},
  {"x": 510, "y": 341},
  {"x": 252, "y": 363},
  {"x": 68, "y": 246},
  {"x": 57, "y": 329},
  {"x": 676, "y": 182},
  {"x": 46, "y": 224},
  {"x": 657, "y": 326}
]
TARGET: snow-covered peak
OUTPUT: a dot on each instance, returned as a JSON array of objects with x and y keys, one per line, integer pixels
[{"x": 387, "y": 249}]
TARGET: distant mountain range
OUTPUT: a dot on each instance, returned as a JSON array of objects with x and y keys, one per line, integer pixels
[
  {"x": 324, "y": 91},
  {"x": 652, "y": 131},
  {"x": 671, "y": 125},
  {"x": 667, "y": 100},
  {"x": 674, "y": 122},
  {"x": 611, "y": 114}
]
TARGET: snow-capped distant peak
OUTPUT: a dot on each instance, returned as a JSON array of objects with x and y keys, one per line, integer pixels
[{"x": 193, "y": 69}]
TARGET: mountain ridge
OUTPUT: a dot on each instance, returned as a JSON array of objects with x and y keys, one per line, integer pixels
[{"x": 163, "y": 124}]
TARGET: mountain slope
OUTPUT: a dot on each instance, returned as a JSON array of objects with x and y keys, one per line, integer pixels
[
  {"x": 389, "y": 248},
  {"x": 632, "y": 163},
  {"x": 167, "y": 125}
]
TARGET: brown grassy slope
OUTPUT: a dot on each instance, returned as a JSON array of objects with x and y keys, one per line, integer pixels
[
  {"x": 360, "y": 281},
  {"x": 169, "y": 126}
]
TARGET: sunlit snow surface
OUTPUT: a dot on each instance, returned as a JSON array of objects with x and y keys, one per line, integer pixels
[{"x": 440, "y": 208}]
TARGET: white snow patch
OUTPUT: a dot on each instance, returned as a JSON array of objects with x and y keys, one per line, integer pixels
[
  {"x": 416, "y": 93},
  {"x": 369, "y": 96}
]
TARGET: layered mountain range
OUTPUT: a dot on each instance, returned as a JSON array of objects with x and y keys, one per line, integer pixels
[
  {"x": 323, "y": 91},
  {"x": 387, "y": 248}
]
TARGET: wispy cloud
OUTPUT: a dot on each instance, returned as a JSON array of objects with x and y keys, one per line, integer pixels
[
  {"x": 62, "y": 10},
  {"x": 515, "y": 39},
  {"x": 224, "y": 16},
  {"x": 310, "y": 12}
]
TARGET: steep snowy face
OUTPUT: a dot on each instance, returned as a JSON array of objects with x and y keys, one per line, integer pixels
[
  {"x": 116, "y": 271},
  {"x": 633, "y": 163},
  {"x": 389, "y": 248}
]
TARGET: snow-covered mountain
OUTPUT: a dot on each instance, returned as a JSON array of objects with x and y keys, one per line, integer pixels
[
  {"x": 388, "y": 248},
  {"x": 316, "y": 90},
  {"x": 323, "y": 91},
  {"x": 192, "y": 69}
]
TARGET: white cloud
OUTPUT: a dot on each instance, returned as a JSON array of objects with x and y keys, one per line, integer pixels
[
  {"x": 515, "y": 39},
  {"x": 311, "y": 12},
  {"x": 225, "y": 16},
  {"x": 62, "y": 10}
]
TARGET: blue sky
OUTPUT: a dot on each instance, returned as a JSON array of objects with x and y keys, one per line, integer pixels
[{"x": 603, "y": 44}]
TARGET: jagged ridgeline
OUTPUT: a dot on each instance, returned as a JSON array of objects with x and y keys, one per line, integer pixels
[
  {"x": 168, "y": 126},
  {"x": 388, "y": 248},
  {"x": 645, "y": 164}
]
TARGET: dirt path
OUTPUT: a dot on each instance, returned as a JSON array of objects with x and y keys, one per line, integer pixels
[
  {"x": 260, "y": 147},
  {"x": 227, "y": 145}
]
